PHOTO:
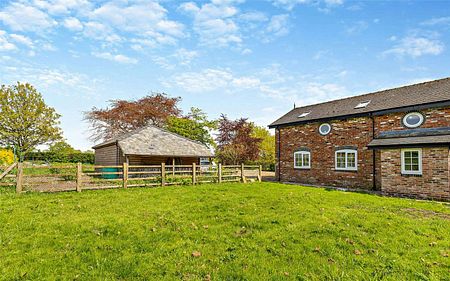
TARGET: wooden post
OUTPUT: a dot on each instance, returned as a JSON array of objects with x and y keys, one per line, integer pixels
[
  {"x": 260, "y": 173},
  {"x": 79, "y": 176},
  {"x": 219, "y": 172},
  {"x": 173, "y": 167},
  {"x": 194, "y": 173},
  {"x": 125, "y": 174},
  {"x": 163, "y": 174},
  {"x": 19, "y": 179},
  {"x": 243, "y": 173}
]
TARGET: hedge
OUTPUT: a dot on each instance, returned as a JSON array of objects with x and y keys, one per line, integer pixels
[{"x": 79, "y": 157}]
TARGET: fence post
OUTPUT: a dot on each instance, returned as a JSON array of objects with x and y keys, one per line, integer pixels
[
  {"x": 243, "y": 173},
  {"x": 163, "y": 174},
  {"x": 19, "y": 179},
  {"x": 219, "y": 172},
  {"x": 260, "y": 173},
  {"x": 194, "y": 174},
  {"x": 173, "y": 167},
  {"x": 125, "y": 174},
  {"x": 79, "y": 174}
]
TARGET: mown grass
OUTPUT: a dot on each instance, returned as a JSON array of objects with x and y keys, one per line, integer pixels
[{"x": 260, "y": 231}]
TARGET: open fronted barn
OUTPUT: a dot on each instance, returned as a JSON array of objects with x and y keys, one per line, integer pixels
[{"x": 150, "y": 146}]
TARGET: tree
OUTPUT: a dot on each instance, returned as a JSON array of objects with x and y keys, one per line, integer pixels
[
  {"x": 62, "y": 147},
  {"x": 124, "y": 116},
  {"x": 266, "y": 156},
  {"x": 195, "y": 126},
  {"x": 235, "y": 142},
  {"x": 25, "y": 120}
]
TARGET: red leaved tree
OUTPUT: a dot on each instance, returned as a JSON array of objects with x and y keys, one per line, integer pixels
[
  {"x": 235, "y": 141},
  {"x": 124, "y": 116}
]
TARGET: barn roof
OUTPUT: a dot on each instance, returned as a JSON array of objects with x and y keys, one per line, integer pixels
[
  {"x": 408, "y": 96},
  {"x": 154, "y": 141}
]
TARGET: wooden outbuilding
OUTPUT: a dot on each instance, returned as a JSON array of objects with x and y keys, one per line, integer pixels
[{"x": 150, "y": 145}]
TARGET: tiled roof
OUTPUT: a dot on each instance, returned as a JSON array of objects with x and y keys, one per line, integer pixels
[
  {"x": 154, "y": 141},
  {"x": 412, "y": 95},
  {"x": 440, "y": 139}
]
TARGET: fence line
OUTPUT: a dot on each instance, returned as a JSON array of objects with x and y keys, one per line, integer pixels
[{"x": 87, "y": 177}]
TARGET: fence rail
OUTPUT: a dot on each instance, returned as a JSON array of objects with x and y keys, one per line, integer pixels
[{"x": 87, "y": 177}]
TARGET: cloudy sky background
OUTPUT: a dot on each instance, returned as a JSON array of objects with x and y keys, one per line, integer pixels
[{"x": 244, "y": 58}]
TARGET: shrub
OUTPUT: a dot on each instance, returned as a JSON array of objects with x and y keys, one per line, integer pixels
[
  {"x": 6, "y": 157},
  {"x": 51, "y": 157}
]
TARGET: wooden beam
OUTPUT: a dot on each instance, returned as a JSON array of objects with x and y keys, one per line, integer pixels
[
  {"x": 79, "y": 176},
  {"x": 7, "y": 170},
  {"x": 19, "y": 180}
]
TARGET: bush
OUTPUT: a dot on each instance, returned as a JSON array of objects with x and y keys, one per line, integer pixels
[
  {"x": 6, "y": 157},
  {"x": 52, "y": 157}
]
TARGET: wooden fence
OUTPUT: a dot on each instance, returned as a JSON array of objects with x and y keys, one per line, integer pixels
[{"x": 52, "y": 178}]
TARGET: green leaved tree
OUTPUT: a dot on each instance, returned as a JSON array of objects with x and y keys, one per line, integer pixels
[
  {"x": 195, "y": 126},
  {"x": 266, "y": 155},
  {"x": 25, "y": 120}
]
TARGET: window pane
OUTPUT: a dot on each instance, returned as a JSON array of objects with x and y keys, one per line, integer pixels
[
  {"x": 340, "y": 160},
  {"x": 306, "y": 159},
  {"x": 351, "y": 159},
  {"x": 415, "y": 168}
]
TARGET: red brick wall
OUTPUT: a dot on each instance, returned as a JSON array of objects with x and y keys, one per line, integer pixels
[
  {"x": 434, "y": 117},
  {"x": 434, "y": 182},
  {"x": 353, "y": 132}
]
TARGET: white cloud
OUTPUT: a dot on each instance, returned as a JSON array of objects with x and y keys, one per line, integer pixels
[
  {"x": 291, "y": 4},
  {"x": 143, "y": 18},
  {"x": 357, "y": 28},
  {"x": 63, "y": 7},
  {"x": 246, "y": 82},
  {"x": 253, "y": 17},
  {"x": 99, "y": 31},
  {"x": 215, "y": 23},
  {"x": 278, "y": 25},
  {"x": 117, "y": 58},
  {"x": 73, "y": 24},
  {"x": 207, "y": 80},
  {"x": 21, "y": 17},
  {"x": 416, "y": 46},
  {"x": 437, "y": 21},
  {"x": 5, "y": 45},
  {"x": 184, "y": 56},
  {"x": 21, "y": 39}
]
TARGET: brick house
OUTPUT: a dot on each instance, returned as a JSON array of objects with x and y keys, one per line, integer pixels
[{"x": 396, "y": 141}]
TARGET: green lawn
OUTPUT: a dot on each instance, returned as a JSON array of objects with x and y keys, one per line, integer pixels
[{"x": 259, "y": 231}]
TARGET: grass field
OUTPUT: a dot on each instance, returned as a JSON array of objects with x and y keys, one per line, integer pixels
[{"x": 260, "y": 231}]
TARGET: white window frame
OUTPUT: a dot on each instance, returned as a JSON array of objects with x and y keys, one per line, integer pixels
[
  {"x": 325, "y": 124},
  {"x": 407, "y": 172},
  {"x": 422, "y": 120},
  {"x": 347, "y": 168},
  {"x": 302, "y": 166}
]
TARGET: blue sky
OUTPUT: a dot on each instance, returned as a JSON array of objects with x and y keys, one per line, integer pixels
[{"x": 242, "y": 58}]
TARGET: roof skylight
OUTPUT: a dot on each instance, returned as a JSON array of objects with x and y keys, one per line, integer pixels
[
  {"x": 304, "y": 114},
  {"x": 362, "y": 104}
]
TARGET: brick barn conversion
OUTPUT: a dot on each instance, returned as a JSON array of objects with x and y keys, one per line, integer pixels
[
  {"x": 150, "y": 146},
  {"x": 396, "y": 141}
]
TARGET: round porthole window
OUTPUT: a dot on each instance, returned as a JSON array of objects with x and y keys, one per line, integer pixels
[
  {"x": 324, "y": 129},
  {"x": 413, "y": 120}
]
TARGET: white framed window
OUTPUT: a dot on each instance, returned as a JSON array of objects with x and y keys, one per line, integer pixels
[
  {"x": 413, "y": 119},
  {"x": 346, "y": 160},
  {"x": 302, "y": 159},
  {"x": 324, "y": 129},
  {"x": 412, "y": 161}
]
